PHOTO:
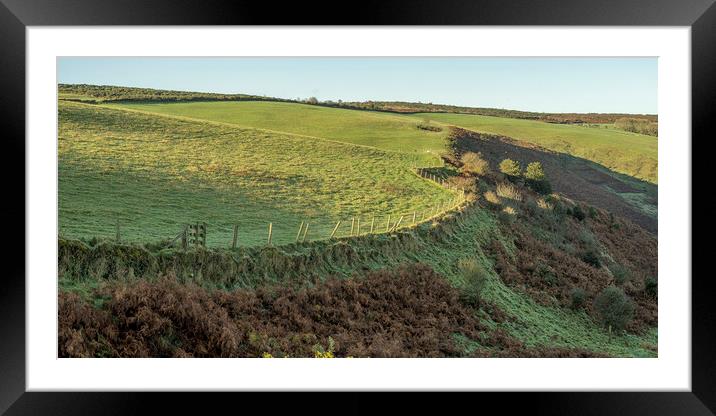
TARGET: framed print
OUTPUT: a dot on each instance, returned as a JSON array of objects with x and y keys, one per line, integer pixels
[{"x": 446, "y": 197}]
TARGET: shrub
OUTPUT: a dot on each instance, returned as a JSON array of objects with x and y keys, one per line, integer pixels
[
  {"x": 651, "y": 287},
  {"x": 590, "y": 257},
  {"x": 577, "y": 296},
  {"x": 614, "y": 308},
  {"x": 546, "y": 273},
  {"x": 592, "y": 212},
  {"x": 320, "y": 352},
  {"x": 475, "y": 279},
  {"x": 507, "y": 215},
  {"x": 511, "y": 168},
  {"x": 429, "y": 127},
  {"x": 475, "y": 163},
  {"x": 578, "y": 213},
  {"x": 544, "y": 204},
  {"x": 492, "y": 198},
  {"x": 536, "y": 179},
  {"x": 621, "y": 274},
  {"x": 535, "y": 172},
  {"x": 509, "y": 191}
]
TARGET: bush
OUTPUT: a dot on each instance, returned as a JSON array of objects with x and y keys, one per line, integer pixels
[
  {"x": 536, "y": 179},
  {"x": 651, "y": 287},
  {"x": 621, "y": 274},
  {"x": 492, "y": 198},
  {"x": 614, "y": 308},
  {"x": 474, "y": 163},
  {"x": 475, "y": 279},
  {"x": 578, "y": 213},
  {"x": 590, "y": 257},
  {"x": 507, "y": 215},
  {"x": 592, "y": 212},
  {"x": 535, "y": 172},
  {"x": 577, "y": 296},
  {"x": 506, "y": 190},
  {"x": 511, "y": 168},
  {"x": 546, "y": 274}
]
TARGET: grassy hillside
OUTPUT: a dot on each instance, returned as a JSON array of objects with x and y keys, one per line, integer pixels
[
  {"x": 527, "y": 313},
  {"x": 381, "y": 130},
  {"x": 154, "y": 173},
  {"x": 629, "y": 153}
]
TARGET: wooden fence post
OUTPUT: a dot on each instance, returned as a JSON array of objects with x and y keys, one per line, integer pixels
[
  {"x": 372, "y": 222},
  {"x": 236, "y": 236},
  {"x": 387, "y": 225},
  {"x": 358, "y": 226},
  {"x": 270, "y": 232},
  {"x": 414, "y": 214},
  {"x": 305, "y": 232},
  {"x": 334, "y": 229},
  {"x": 298, "y": 234},
  {"x": 353, "y": 223},
  {"x": 117, "y": 236},
  {"x": 395, "y": 227}
]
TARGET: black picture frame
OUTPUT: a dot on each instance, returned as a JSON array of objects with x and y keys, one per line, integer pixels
[{"x": 15, "y": 15}]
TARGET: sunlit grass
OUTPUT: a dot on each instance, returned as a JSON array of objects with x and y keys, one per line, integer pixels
[{"x": 153, "y": 174}]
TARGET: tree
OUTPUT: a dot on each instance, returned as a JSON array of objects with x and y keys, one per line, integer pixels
[
  {"x": 312, "y": 100},
  {"x": 615, "y": 309},
  {"x": 511, "y": 168},
  {"x": 474, "y": 163},
  {"x": 536, "y": 178}
]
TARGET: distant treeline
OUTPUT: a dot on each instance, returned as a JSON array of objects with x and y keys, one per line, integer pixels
[
  {"x": 636, "y": 125},
  {"x": 641, "y": 123},
  {"x": 562, "y": 118},
  {"x": 109, "y": 93}
]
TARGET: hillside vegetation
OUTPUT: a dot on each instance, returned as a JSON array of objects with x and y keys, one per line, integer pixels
[
  {"x": 510, "y": 269},
  {"x": 284, "y": 301}
]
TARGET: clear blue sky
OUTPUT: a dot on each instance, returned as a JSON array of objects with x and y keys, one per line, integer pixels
[{"x": 607, "y": 85}]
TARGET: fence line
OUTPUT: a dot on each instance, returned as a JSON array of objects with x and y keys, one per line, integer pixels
[{"x": 195, "y": 234}]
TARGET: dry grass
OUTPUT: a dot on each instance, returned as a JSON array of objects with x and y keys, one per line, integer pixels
[
  {"x": 492, "y": 197},
  {"x": 509, "y": 191}
]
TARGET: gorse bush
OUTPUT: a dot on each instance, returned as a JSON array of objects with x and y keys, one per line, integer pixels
[
  {"x": 535, "y": 172},
  {"x": 511, "y": 168},
  {"x": 614, "y": 308},
  {"x": 475, "y": 163},
  {"x": 328, "y": 352},
  {"x": 475, "y": 280},
  {"x": 536, "y": 178}
]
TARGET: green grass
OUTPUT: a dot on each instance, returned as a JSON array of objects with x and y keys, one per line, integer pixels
[
  {"x": 380, "y": 130},
  {"x": 154, "y": 173},
  {"x": 628, "y": 153}
]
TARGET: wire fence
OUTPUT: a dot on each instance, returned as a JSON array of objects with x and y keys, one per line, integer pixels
[{"x": 312, "y": 229}]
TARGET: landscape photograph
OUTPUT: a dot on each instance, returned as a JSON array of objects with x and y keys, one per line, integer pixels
[{"x": 357, "y": 207}]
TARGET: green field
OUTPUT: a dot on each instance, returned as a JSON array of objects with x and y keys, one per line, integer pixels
[
  {"x": 152, "y": 174},
  {"x": 382, "y": 130},
  {"x": 628, "y": 153}
]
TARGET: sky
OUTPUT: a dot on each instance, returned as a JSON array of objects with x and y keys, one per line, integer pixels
[{"x": 575, "y": 85}]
